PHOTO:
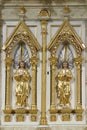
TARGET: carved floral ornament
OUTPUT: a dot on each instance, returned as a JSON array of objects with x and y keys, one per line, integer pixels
[
  {"x": 21, "y": 33},
  {"x": 66, "y": 33}
]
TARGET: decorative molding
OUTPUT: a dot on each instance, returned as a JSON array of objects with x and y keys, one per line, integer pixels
[
  {"x": 76, "y": 12},
  {"x": 43, "y": 2}
]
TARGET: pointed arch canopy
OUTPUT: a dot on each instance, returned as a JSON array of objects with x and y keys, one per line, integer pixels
[
  {"x": 66, "y": 33},
  {"x": 21, "y": 33}
]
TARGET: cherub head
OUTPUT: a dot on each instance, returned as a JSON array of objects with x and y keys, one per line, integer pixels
[
  {"x": 21, "y": 64},
  {"x": 65, "y": 64}
]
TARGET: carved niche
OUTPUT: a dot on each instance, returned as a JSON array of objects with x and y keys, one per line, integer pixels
[
  {"x": 21, "y": 45},
  {"x": 66, "y": 39}
]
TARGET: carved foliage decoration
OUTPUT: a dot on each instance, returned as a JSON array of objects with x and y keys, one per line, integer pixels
[
  {"x": 22, "y": 33},
  {"x": 66, "y": 33}
]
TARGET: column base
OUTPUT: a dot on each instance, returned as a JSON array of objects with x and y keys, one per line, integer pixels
[
  {"x": 7, "y": 107},
  {"x": 43, "y": 121},
  {"x": 52, "y": 107},
  {"x": 33, "y": 107},
  {"x": 33, "y": 113},
  {"x": 79, "y": 112}
]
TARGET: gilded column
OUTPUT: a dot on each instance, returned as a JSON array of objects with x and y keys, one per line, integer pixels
[
  {"x": 34, "y": 61},
  {"x": 7, "y": 110},
  {"x": 43, "y": 120},
  {"x": 53, "y": 61},
  {"x": 8, "y": 62},
  {"x": 78, "y": 64}
]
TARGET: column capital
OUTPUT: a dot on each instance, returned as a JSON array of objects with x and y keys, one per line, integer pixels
[
  {"x": 53, "y": 60},
  {"x": 8, "y": 61},
  {"x": 34, "y": 60},
  {"x": 78, "y": 60}
]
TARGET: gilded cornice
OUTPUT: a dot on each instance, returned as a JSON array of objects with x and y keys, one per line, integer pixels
[{"x": 66, "y": 33}]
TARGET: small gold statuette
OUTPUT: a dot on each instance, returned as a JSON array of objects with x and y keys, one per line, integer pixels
[
  {"x": 63, "y": 87},
  {"x": 22, "y": 88}
]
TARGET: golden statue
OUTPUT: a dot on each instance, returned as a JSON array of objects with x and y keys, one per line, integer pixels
[
  {"x": 22, "y": 88},
  {"x": 63, "y": 87}
]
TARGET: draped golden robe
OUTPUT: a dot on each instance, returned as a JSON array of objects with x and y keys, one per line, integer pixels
[
  {"x": 63, "y": 88},
  {"x": 22, "y": 88}
]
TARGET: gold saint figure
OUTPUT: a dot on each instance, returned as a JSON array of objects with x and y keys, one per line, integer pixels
[
  {"x": 22, "y": 88},
  {"x": 63, "y": 88}
]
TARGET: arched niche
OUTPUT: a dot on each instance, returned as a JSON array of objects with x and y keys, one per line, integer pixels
[
  {"x": 66, "y": 34},
  {"x": 66, "y": 53},
  {"x": 21, "y": 34},
  {"x": 21, "y": 52}
]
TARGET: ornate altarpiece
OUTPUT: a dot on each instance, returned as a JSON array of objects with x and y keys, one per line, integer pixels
[
  {"x": 21, "y": 34},
  {"x": 66, "y": 33}
]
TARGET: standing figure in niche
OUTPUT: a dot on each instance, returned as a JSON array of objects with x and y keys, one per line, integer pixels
[
  {"x": 22, "y": 77},
  {"x": 63, "y": 87}
]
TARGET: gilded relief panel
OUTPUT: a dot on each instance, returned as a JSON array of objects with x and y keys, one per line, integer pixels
[
  {"x": 21, "y": 65},
  {"x": 50, "y": 75},
  {"x": 66, "y": 58}
]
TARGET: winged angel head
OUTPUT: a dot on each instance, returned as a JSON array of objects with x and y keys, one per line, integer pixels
[
  {"x": 65, "y": 55},
  {"x": 21, "y": 54}
]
